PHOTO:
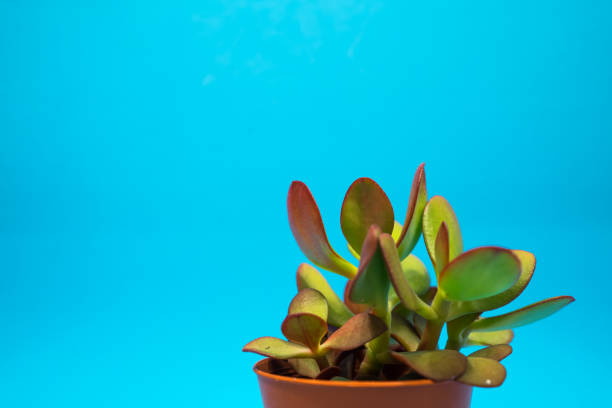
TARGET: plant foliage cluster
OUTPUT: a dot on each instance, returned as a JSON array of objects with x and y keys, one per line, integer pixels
[{"x": 388, "y": 324}]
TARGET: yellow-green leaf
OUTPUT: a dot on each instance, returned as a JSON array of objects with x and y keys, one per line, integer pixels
[
  {"x": 370, "y": 287},
  {"x": 411, "y": 231},
  {"x": 304, "y": 328},
  {"x": 479, "y": 273},
  {"x": 438, "y": 211},
  {"x": 307, "y": 227},
  {"x": 310, "y": 301},
  {"x": 365, "y": 204},
  {"x": 497, "y": 352},
  {"x": 483, "y": 372},
  {"x": 359, "y": 330},
  {"x": 277, "y": 348},
  {"x": 309, "y": 277},
  {"x": 521, "y": 317},
  {"x": 528, "y": 263},
  {"x": 490, "y": 338},
  {"x": 438, "y": 365}
]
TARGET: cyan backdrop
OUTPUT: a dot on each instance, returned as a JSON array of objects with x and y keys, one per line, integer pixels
[{"x": 146, "y": 149}]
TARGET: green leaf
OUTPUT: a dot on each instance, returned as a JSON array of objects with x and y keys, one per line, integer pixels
[
  {"x": 309, "y": 277},
  {"x": 528, "y": 263},
  {"x": 370, "y": 288},
  {"x": 416, "y": 273},
  {"x": 438, "y": 365},
  {"x": 490, "y": 338},
  {"x": 365, "y": 204},
  {"x": 277, "y": 348},
  {"x": 306, "y": 367},
  {"x": 479, "y": 273},
  {"x": 400, "y": 284},
  {"x": 310, "y": 301},
  {"x": 307, "y": 227},
  {"x": 497, "y": 352},
  {"x": 438, "y": 211},
  {"x": 305, "y": 328},
  {"x": 483, "y": 372},
  {"x": 359, "y": 330},
  {"x": 403, "y": 333},
  {"x": 521, "y": 317},
  {"x": 413, "y": 224},
  {"x": 338, "y": 378}
]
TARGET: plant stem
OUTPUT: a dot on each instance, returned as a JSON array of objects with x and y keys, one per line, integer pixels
[
  {"x": 322, "y": 362},
  {"x": 433, "y": 328}
]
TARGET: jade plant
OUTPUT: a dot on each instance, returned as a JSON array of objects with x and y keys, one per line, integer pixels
[{"x": 388, "y": 325}]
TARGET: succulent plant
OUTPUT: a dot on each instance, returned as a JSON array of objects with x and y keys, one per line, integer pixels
[{"x": 388, "y": 326}]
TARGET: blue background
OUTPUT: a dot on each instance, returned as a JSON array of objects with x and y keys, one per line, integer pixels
[{"x": 146, "y": 151}]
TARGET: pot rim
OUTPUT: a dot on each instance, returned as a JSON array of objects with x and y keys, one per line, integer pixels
[{"x": 343, "y": 384}]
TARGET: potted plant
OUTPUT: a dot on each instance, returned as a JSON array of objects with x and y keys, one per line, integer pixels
[{"x": 380, "y": 344}]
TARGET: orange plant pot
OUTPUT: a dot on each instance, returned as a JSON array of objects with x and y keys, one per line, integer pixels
[{"x": 278, "y": 391}]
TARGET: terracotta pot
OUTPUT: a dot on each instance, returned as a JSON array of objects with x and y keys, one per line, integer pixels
[{"x": 279, "y": 391}]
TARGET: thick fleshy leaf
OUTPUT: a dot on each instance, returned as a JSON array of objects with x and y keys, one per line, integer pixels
[
  {"x": 307, "y": 367},
  {"x": 438, "y": 211},
  {"x": 438, "y": 365},
  {"x": 497, "y": 352},
  {"x": 400, "y": 284},
  {"x": 277, "y": 348},
  {"x": 416, "y": 273},
  {"x": 442, "y": 247},
  {"x": 309, "y": 277},
  {"x": 413, "y": 224},
  {"x": 403, "y": 333},
  {"x": 483, "y": 372},
  {"x": 365, "y": 204},
  {"x": 370, "y": 288},
  {"x": 528, "y": 263},
  {"x": 521, "y": 317},
  {"x": 304, "y": 328},
  {"x": 309, "y": 301},
  {"x": 491, "y": 338},
  {"x": 359, "y": 330},
  {"x": 307, "y": 227},
  {"x": 480, "y": 273}
]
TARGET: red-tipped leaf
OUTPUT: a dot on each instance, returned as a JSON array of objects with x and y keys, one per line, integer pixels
[
  {"x": 307, "y": 227},
  {"x": 365, "y": 204}
]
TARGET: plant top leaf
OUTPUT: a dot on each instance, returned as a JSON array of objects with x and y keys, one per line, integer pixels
[
  {"x": 497, "y": 352},
  {"x": 411, "y": 231},
  {"x": 521, "y": 317},
  {"x": 277, "y": 348},
  {"x": 437, "y": 365},
  {"x": 309, "y": 301},
  {"x": 305, "y": 328},
  {"x": 370, "y": 287},
  {"x": 479, "y": 273},
  {"x": 359, "y": 330},
  {"x": 365, "y": 204},
  {"x": 483, "y": 372},
  {"x": 307, "y": 227},
  {"x": 528, "y": 263},
  {"x": 438, "y": 211},
  {"x": 400, "y": 284},
  {"x": 309, "y": 277}
]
